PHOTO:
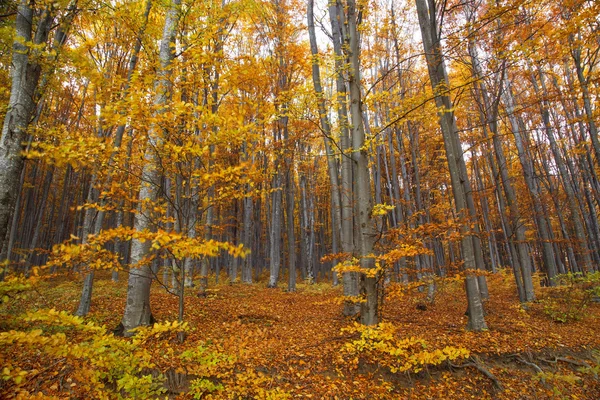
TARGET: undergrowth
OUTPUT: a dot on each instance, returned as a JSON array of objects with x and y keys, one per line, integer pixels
[{"x": 569, "y": 299}]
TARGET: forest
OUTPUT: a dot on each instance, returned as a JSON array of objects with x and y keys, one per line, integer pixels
[{"x": 281, "y": 199}]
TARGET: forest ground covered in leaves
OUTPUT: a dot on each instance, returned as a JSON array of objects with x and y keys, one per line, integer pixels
[
  {"x": 248, "y": 341},
  {"x": 425, "y": 141}
]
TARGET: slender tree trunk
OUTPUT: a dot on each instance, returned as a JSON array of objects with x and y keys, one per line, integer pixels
[
  {"x": 248, "y": 226},
  {"x": 93, "y": 219},
  {"x": 275, "y": 233},
  {"x": 25, "y": 77},
  {"x": 137, "y": 308},
  {"x": 439, "y": 81},
  {"x": 280, "y": 133},
  {"x": 544, "y": 228},
  {"x": 60, "y": 219},
  {"x": 587, "y": 98},
  {"x": 39, "y": 216},
  {"x": 558, "y": 206},
  {"x": 308, "y": 230},
  {"x": 332, "y": 163},
  {"x": 291, "y": 236},
  {"x": 489, "y": 113},
  {"x": 205, "y": 265},
  {"x": 248, "y": 237},
  {"x": 567, "y": 184},
  {"x": 349, "y": 279},
  {"x": 485, "y": 210},
  {"x": 523, "y": 266},
  {"x": 364, "y": 222}
]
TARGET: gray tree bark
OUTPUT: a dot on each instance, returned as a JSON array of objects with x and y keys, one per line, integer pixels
[
  {"x": 308, "y": 229},
  {"x": 275, "y": 233},
  {"x": 332, "y": 162},
  {"x": 544, "y": 228},
  {"x": 279, "y": 133},
  {"x": 248, "y": 233},
  {"x": 567, "y": 184},
  {"x": 25, "y": 77},
  {"x": 489, "y": 113},
  {"x": 291, "y": 235},
  {"x": 485, "y": 210},
  {"x": 93, "y": 219},
  {"x": 349, "y": 279},
  {"x": 522, "y": 263},
  {"x": 39, "y": 218},
  {"x": 364, "y": 223},
  {"x": 137, "y": 308},
  {"x": 585, "y": 92},
  {"x": 439, "y": 82}
]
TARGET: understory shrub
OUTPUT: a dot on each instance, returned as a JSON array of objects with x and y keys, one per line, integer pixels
[
  {"x": 382, "y": 345},
  {"x": 573, "y": 293}
]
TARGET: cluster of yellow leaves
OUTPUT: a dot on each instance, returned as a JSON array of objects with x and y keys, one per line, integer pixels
[
  {"x": 381, "y": 209},
  {"x": 381, "y": 344},
  {"x": 96, "y": 206},
  {"x": 353, "y": 265},
  {"x": 181, "y": 246},
  {"x": 75, "y": 149},
  {"x": 252, "y": 384},
  {"x": 335, "y": 256},
  {"x": 569, "y": 300},
  {"x": 94, "y": 255},
  {"x": 91, "y": 255},
  {"x": 186, "y": 150},
  {"x": 12, "y": 286},
  {"x": 403, "y": 250},
  {"x": 105, "y": 366},
  {"x": 102, "y": 359},
  {"x": 400, "y": 290}
]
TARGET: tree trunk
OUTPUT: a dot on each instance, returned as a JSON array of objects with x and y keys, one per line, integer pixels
[
  {"x": 587, "y": 100},
  {"x": 439, "y": 81},
  {"x": 275, "y": 234},
  {"x": 248, "y": 236},
  {"x": 22, "y": 103},
  {"x": 93, "y": 219},
  {"x": 544, "y": 228},
  {"x": 364, "y": 222},
  {"x": 349, "y": 279},
  {"x": 39, "y": 218},
  {"x": 332, "y": 163},
  {"x": 308, "y": 230},
  {"x": 291, "y": 236},
  {"x": 566, "y": 180},
  {"x": 137, "y": 308},
  {"x": 485, "y": 210},
  {"x": 489, "y": 113}
]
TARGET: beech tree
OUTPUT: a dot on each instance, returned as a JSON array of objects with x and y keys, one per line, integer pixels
[
  {"x": 32, "y": 30},
  {"x": 427, "y": 13},
  {"x": 137, "y": 310}
]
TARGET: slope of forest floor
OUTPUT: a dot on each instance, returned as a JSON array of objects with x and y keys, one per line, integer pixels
[{"x": 292, "y": 345}]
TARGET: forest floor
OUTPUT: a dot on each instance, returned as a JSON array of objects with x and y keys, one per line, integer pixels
[{"x": 292, "y": 345}]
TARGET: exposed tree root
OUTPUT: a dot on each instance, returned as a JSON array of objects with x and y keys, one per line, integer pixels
[
  {"x": 532, "y": 365},
  {"x": 579, "y": 363},
  {"x": 478, "y": 365}
]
